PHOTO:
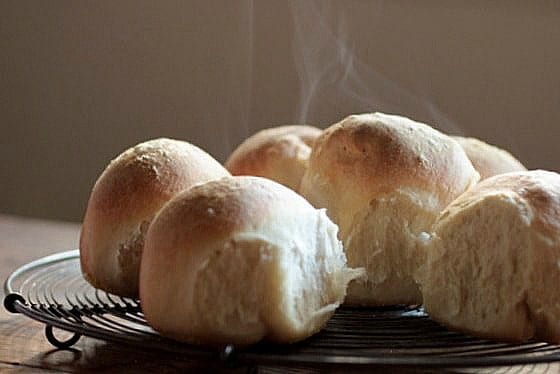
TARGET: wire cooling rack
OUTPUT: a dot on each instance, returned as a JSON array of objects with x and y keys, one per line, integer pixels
[{"x": 52, "y": 290}]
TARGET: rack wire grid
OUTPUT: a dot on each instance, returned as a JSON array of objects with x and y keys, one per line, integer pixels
[{"x": 52, "y": 290}]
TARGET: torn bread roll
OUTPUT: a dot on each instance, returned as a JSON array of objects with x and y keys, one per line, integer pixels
[
  {"x": 384, "y": 179},
  {"x": 487, "y": 159},
  {"x": 279, "y": 153},
  {"x": 123, "y": 202},
  {"x": 493, "y": 266},
  {"x": 241, "y": 259}
]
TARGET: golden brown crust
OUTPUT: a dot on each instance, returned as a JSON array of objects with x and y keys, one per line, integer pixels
[
  {"x": 278, "y": 153},
  {"x": 124, "y": 200},
  {"x": 488, "y": 159},
  {"x": 373, "y": 154},
  {"x": 214, "y": 210}
]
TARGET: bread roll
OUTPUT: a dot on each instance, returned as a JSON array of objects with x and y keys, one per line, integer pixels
[
  {"x": 384, "y": 179},
  {"x": 123, "y": 202},
  {"x": 493, "y": 266},
  {"x": 487, "y": 159},
  {"x": 241, "y": 259},
  {"x": 278, "y": 153}
]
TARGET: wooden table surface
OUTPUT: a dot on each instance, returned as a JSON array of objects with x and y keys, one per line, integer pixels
[{"x": 24, "y": 348}]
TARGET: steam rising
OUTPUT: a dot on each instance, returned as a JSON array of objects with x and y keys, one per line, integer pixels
[
  {"x": 238, "y": 78},
  {"x": 332, "y": 77}
]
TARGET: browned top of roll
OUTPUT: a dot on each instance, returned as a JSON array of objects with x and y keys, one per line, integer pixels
[
  {"x": 278, "y": 153},
  {"x": 488, "y": 159},
  {"x": 369, "y": 155},
  {"x": 148, "y": 174},
  {"x": 213, "y": 210}
]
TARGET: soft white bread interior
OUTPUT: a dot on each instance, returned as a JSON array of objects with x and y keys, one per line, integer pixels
[
  {"x": 123, "y": 202},
  {"x": 384, "y": 179},
  {"x": 279, "y": 153},
  {"x": 487, "y": 159},
  {"x": 241, "y": 259},
  {"x": 493, "y": 265}
]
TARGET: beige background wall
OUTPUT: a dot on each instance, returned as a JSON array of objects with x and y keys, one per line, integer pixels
[{"x": 81, "y": 81}]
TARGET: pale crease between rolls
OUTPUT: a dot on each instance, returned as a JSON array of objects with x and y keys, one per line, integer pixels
[
  {"x": 493, "y": 265},
  {"x": 125, "y": 198},
  {"x": 241, "y": 259},
  {"x": 488, "y": 160},
  {"x": 278, "y": 153},
  {"x": 384, "y": 179}
]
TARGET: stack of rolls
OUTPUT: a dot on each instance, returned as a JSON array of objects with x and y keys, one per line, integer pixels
[
  {"x": 215, "y": 259},
  {"x": 374, "y": 210}
]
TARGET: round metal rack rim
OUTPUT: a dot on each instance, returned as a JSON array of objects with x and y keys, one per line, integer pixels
[{"x": 52, "y": 290}]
